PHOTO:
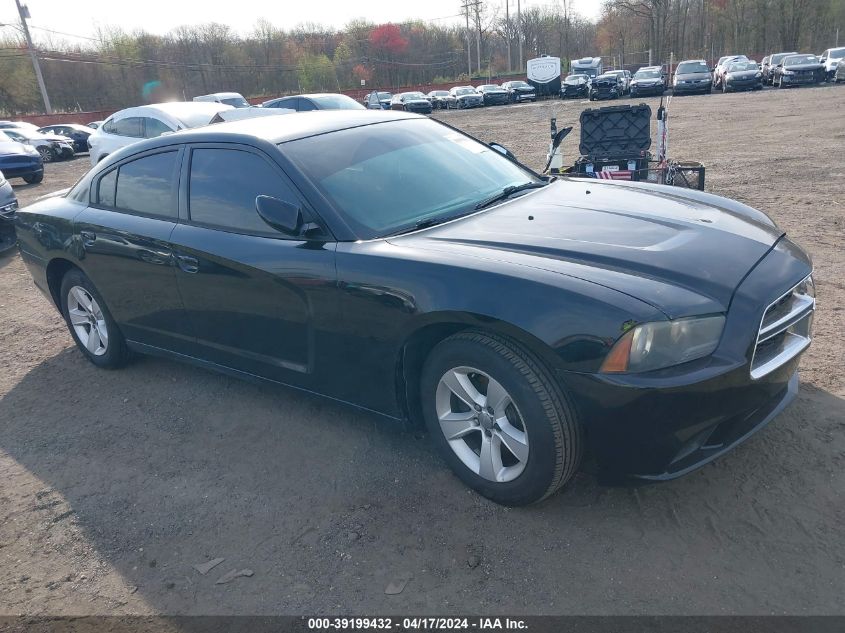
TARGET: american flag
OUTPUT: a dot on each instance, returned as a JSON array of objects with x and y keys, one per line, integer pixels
[{"x": 622, "y": 174}]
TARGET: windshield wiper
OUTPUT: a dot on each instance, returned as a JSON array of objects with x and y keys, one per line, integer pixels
[
  {"x": 508, "y": 191},
  {"x": 424, "y": 224}
]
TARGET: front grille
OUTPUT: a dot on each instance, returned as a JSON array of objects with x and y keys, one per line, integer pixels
[{"x": 785, "y": 329}]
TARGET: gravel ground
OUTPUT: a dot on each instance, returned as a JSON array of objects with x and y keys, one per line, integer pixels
[{"x": 115, "y": 484}]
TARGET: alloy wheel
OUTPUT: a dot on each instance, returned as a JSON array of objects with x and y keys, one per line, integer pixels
[
  {"x": 46, "y": 154},
  {"x": 87, "y": 320},
  {"x": 482, "y": 424}
]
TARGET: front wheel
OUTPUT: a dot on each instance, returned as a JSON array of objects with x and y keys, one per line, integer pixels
[
  {"x": 47, "y": 154},
  {"x": 34, "y": 179},
  {"x": 498, "y": 418},
  {"x": 90, "y": 323}
]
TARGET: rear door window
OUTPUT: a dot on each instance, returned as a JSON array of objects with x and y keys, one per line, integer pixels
[
  {"x": 131, "y": 126},
  {"x": 154, "y": 127},
  {"x": 146, "y": 185}
]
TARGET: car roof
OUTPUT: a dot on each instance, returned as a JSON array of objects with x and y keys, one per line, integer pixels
[
  {"x": 189, "y": 113},
  {"x": 223, "y": 95},
  {"x": 692, "y": 61},
  {"x": 288, "y": 128}
]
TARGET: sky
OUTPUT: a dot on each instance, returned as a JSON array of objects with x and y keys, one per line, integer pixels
[{"x": 160, "y": 16}]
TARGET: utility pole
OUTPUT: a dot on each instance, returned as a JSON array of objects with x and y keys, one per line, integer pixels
[
  {"x": 477, "y": 5},
  {"x": 23, "y": 12},
  {"x": 465, "y": 9},
  {"x": 508, "y": 30},
  {"x": 519, "y": 31}
]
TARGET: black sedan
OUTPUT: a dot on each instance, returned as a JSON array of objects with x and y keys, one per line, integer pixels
[
  {"x": 605, "y": 87},
  {"x": 520, "y": 91},
  {"x": 742, "y": 75},
  {"x": 529, "y": 321},
  {"x": 647, "y": 81},
  {"x": 411, "y": 102},
  {"x": 799, "y": 70},
  {"x": 8, "y": 209},
  {"x": 77, "y": 133},
  {"x": 20, "y": 160},
  {"x": 692, "y": 76},
  {"x": 575, "y": 87},
  {"x": 494, "y": 95}
]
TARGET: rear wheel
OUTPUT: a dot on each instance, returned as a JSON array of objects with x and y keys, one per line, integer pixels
[
  {"x": 498, "y": 419},
  {"x": 90, "y": 323},
  {"x": 34, "y": 179}
]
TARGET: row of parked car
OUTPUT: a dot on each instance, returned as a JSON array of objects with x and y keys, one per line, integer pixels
[
  {"x": 731, "y": 73},
  {"x": 457, "y": 98}
]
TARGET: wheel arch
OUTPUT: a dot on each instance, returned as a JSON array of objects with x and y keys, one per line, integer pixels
[
  {"x": 57, "y": 268},
  {"x": 419, "y": 342}
]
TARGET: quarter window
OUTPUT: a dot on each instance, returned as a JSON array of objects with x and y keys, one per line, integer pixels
[
  {"x": 145, "y": 185},
  {"x": 126, "y": 127},
  {"x": 105, "y": 189},
  {"x": 224, "y": 186},
  {"x": 154, "y": 127}
]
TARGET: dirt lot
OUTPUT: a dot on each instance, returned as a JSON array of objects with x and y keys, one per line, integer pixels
[{"x": 115, "y": 484}]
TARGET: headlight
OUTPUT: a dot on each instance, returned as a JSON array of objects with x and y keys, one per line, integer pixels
[{"x": 664, "y": 343}]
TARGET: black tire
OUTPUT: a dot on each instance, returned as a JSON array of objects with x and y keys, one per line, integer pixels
[
  {"x": 34, "y": 179},
  {"x": 117, "y": 353},
  {"x": 47, "y": 154},
  {"x": 549, "y": 420}
]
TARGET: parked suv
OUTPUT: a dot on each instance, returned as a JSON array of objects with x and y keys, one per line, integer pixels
[{"x": 831, "y": 59}]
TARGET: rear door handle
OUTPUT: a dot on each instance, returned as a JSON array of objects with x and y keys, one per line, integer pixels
[
  {"x": 187, "y": 263},
  {"x": 88, "y": 237}
]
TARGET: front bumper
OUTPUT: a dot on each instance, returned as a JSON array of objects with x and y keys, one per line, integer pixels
[
  {"x": 743, "y": 84},
  {"x": 466, "y": 103},
  {"x": 524, "y": 96},
  {"x": 661, "y": 425},
  {"x": 697, "y": 87},
  {"x": 503, "y": 99},
  {"x": 647, "y": 90}
]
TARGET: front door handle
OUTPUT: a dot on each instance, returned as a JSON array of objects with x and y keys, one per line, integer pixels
[
  {"x": 187, "y": 263},
  {"x": 88, "y": 237}
]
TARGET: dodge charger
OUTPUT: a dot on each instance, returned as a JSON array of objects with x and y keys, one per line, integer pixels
[{"x": 394, "y": 263}]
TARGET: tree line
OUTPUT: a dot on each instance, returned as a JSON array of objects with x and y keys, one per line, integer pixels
[{"x": 115, "y": 68}]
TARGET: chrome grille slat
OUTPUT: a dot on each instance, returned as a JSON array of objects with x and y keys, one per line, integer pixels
[{"x": 784, "y": 331}]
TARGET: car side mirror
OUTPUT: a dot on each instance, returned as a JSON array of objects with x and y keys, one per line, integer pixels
[
  {"x": 503, "y": 150},
  {"x": 282, "y": 216}
]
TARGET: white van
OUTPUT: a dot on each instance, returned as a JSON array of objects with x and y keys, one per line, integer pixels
[{"x": 234, "y": 99}]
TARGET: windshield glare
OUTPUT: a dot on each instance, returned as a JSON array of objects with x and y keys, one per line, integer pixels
[
  {"x": 237, "y": 102},
  {"x": 390, "y": 176},
  {"x": 691, "y": 67},
  {"x": 647, "y": 74},
  {"x": 465, "y": 91},
  {"x": 575, "y": 79},
  {"x": 737, "y": 67},
  {"x": 796, "y": 60},
  {"x": 837, "y": 54},
  {"x": 337, "y": 102}
]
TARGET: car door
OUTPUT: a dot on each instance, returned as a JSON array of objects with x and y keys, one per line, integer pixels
[
  {"x": 124, "y": 247},
  {"x": 257, "y": 298}
]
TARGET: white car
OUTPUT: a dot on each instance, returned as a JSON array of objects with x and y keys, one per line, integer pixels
[
  {"x": 831, "y": 59},
  {"x": 133, "y": 124}
]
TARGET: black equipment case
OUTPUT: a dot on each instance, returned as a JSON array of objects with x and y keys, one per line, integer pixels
[{"x": 615, "y": 138}]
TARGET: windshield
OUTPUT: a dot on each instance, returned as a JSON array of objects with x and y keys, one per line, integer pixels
[
  {"x": 688, "y": 68},
  {"x": 519, "y": 84},
  {"x": 464, "y": 91},
  {"x": 575, "y": 79},
  {"x": 797, "y": 60},
  {"x": 838, "y": 53},
  {"x": 414, "y": 95},
  {"x": 237, "y": 102},
  {"x": 647, "y": 74},
  {"x": 384, "y": 95},
  {"x": 336, "y": 102},
  {"x": 737, "y": 67},
  {"x": 590, "y": 72},
  {"x": 776, "y": 59},
  {"x": 439, "y": 93},
  {"x": 388, "y": 177}
]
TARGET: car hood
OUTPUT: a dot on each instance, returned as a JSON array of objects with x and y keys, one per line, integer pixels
[
  {"x": 417, "y": 102},
  {"x": 13, "y": 148},
  {"x": 683, "y": 252},
  {"x": 523, "y": 89},
  {"x": 469, "y": 96},
  {"x": 649, "y": 80},
  {"x": 692, "y": 76},
  {"x": 813, "y": 66},
  {"x": 743, "y": 74}
]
